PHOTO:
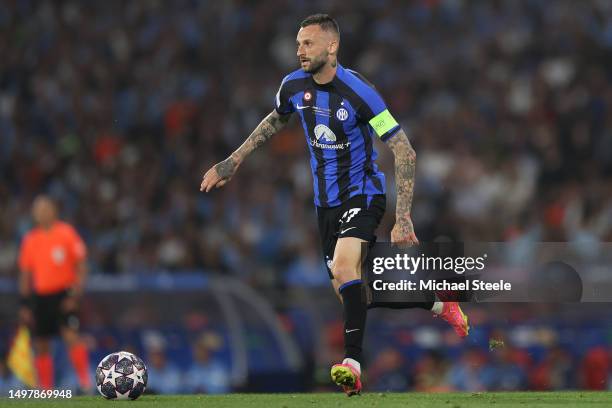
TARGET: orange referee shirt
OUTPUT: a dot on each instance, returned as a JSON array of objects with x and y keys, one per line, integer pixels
[{"x": 51, "y": 257}]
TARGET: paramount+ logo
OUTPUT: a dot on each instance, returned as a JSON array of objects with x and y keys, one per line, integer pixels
[{"x": 326, "y": 139}]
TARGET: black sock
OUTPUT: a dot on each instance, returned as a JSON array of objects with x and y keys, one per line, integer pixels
[{"x": 355, "y": 311}]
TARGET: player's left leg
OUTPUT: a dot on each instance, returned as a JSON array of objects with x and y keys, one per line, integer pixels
[
  {"x": 77, "y": 351},
  {"x": 346, "y": 269},
  {"x": 344, "y": 229}
]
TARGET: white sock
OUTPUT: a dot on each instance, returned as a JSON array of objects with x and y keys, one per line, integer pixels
[
  {"x": 437, "y": 307},
  {"x": 353, "y": 363}
]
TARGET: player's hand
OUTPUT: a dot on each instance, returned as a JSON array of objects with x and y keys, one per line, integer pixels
[
  {"x": 218, "y": 175},
  {"x": 25, "y": 315},
  {"x": 403, "y": 232}
]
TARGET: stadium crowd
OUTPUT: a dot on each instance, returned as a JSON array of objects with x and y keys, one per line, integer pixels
[
  {"x": 423, "y": 358},
  {"x": 117, "y": 108}
]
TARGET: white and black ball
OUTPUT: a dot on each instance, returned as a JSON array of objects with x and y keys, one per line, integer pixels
[{"x": 121, "y": 375}]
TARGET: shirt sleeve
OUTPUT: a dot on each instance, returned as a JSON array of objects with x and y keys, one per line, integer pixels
[
  {"x": 283, "y": 104},
  {"x": 375, "y": 113}
]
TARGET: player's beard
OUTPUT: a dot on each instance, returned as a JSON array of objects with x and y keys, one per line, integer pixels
[{"x": 317, "y": 63}]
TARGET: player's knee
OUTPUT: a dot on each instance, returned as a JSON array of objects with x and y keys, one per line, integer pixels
[{"x": 344, "y": 271}]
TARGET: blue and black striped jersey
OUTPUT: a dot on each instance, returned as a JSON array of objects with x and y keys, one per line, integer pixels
[{"x": 340, "y": 119}]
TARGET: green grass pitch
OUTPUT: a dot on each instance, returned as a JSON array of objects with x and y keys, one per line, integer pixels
[{"x": 382, "y": 400}]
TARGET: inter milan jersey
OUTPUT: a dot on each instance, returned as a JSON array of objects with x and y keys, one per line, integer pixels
[{"x": 340, "y": 118}]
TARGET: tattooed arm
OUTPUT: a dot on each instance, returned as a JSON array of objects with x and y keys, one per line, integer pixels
[
  {"x": 405, "y": 166},
  {"x": 222, "y": 172}
]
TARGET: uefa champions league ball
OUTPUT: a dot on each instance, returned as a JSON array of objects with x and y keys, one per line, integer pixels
[{"x": 121, "y": 375}]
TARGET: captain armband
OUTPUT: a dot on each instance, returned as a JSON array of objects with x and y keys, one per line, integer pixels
[{"x": 383, "y": 122}]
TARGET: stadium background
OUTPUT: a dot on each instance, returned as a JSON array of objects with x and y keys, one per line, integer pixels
[{"x": 117, "y": 108}]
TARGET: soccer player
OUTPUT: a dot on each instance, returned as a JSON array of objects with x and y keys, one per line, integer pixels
[
  {"x": 341, "y": 112},
  {"x": 52, "y": 273}
]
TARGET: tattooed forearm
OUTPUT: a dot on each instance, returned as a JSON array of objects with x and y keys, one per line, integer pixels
[
  {"x": 405, "y": 166},
  {"x": 262, "y": 133},
  {"x": 226, "y": 168}
]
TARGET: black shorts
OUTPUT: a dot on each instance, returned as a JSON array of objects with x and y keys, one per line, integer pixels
[
  {"x": 358, "y": 217},
  {"x": 49, "y": 315}
]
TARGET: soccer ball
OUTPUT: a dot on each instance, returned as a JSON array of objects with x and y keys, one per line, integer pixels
[{"x": 121, "y": 375}]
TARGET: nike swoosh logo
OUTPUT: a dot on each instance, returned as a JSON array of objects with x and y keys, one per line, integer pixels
[
  {"x": 352, "y": 330},
  {"x": 344, "y": 230},
  {"x": 301, "y": 107}
]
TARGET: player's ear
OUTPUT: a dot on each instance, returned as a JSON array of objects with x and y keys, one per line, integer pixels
[{"x": 332, "y": 48}]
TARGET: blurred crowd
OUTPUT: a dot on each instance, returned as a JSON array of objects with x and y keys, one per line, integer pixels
[
  {"x": 507, "y": 369},
  {"x": 511, "y": 347},
  {"x": 117, "y": 108},
  {"x": 205, "y": 373},
  {"x": 539, "y": 356}
]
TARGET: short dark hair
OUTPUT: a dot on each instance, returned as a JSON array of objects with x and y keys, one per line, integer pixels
[{"x": 325, "y": 21}]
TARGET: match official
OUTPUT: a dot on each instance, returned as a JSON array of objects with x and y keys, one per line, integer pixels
[{"x": 52, "y": 263}]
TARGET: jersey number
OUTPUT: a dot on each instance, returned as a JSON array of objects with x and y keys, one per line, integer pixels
[{"x": 349, "y": 214}]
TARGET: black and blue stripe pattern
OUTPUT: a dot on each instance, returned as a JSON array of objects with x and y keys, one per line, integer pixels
[{"x": 335, "y": 117}]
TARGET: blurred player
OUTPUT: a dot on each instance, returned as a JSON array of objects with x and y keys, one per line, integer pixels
[
  {"x": 341, "y": 112},
  {"x": 52, "y": 274}
]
